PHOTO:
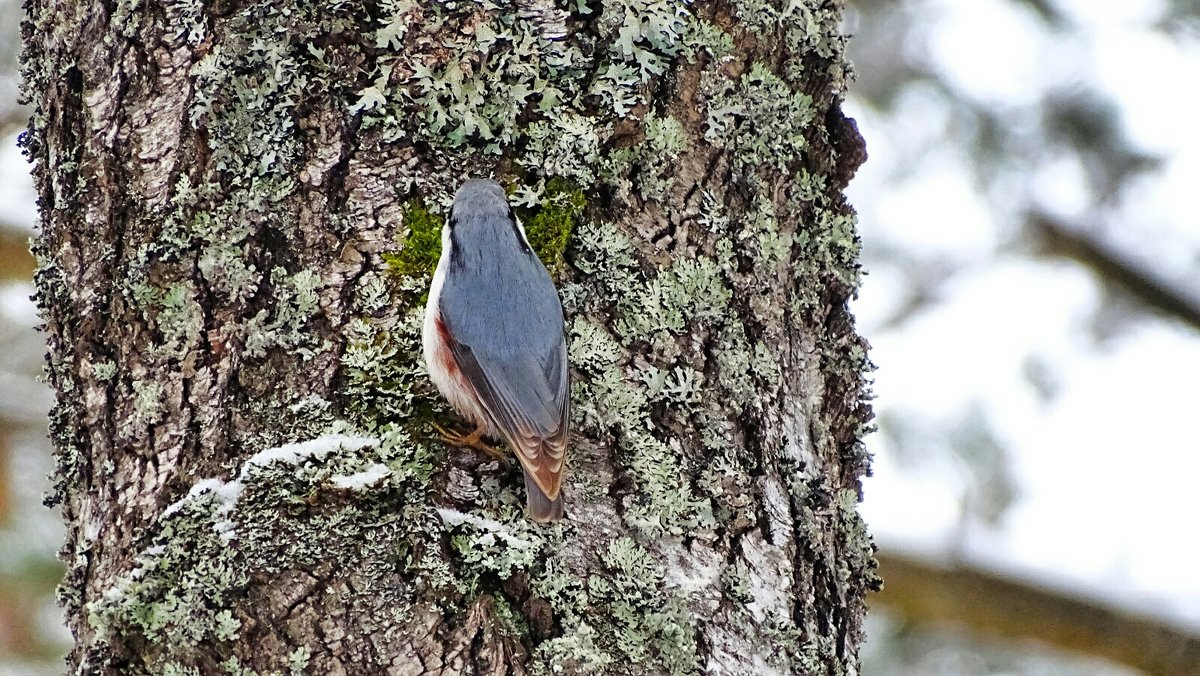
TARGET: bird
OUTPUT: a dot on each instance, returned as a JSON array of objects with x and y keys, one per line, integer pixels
[{"x": 494, "y": 343}]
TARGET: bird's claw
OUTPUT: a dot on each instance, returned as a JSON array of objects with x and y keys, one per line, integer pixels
[{"x": 472, "y": 440}]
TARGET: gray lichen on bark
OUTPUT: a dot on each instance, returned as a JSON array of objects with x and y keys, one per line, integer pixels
[{"x": 244, "y": 458}]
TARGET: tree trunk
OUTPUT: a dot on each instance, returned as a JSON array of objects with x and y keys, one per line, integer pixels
[{"x": 239, "y": 204}]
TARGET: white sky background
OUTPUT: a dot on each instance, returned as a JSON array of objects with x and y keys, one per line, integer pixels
[
  {"x": 18, "y": 201},
  {"x": 1106, "y": 470}
]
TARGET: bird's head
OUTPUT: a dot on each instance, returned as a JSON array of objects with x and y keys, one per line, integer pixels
[{"x": 482, "y": 217}]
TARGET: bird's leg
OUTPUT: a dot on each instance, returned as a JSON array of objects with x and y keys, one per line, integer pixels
[{"x": 472, "y": 440}]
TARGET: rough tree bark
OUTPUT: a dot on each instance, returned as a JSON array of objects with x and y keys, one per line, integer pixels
[{"x": 237, "y": 208}]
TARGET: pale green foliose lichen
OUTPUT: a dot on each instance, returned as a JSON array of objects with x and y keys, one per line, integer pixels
[
  {"x": 654, "y": 158},
  {"x": 183, "y": 589},
  {"x": 630, "y": 617},
  {"x": 147, "y": 402},
  {"x": 739, "y": 111},
  {"x": 104, "y": 370}
]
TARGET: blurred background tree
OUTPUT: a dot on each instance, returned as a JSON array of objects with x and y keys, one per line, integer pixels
[
  {"x": 1034, "y": 306},
  {"x": 1032, "y": 248}
]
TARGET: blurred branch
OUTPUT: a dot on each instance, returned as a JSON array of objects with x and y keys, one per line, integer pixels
[
  {"x": 1117, "y": 268},
  {"x": 6, "y": 432},
  {"x": 14, "y": 115},
  {"x": 1046, "y": 11},
  {"x": 986, "y": 603},
  {"x": 16, "y": 263},
  {"x": 13, "y": 122}
]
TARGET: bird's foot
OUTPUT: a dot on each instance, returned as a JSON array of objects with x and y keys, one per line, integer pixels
[{"x": 472, "y": 440}]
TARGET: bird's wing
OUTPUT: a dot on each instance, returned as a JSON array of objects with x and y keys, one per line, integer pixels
[{"x": 527, "y": 397}]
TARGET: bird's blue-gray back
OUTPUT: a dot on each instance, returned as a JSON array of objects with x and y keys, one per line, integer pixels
[{"x": 501, "y": 304}]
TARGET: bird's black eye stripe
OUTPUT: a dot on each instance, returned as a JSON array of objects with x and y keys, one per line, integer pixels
[
  {"x": 512, "y": 220},
  {"x": 456, "y": 259}
]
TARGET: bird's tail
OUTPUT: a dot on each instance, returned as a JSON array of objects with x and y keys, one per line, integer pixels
[{"x": 541, "y": 508}]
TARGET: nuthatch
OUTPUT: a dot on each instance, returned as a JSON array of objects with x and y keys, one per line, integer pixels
[{"x": 494, "y": 341}]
